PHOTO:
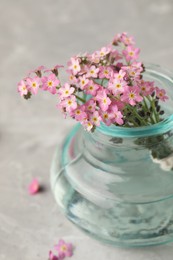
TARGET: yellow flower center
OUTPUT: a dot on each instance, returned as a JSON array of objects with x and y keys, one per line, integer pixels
[
  {"x": 78, "y": 112},
  {"x": 131, "y": 53},
  {"x": 63, "y": 248},
  {"x": 131, "y": 95},
  {"x": 69, "y": 102},
  {"x": 104, "y": 100},
  {"x": 118, "y": 85},
  {"x": 132, "y": 72},
  {"x": 50, "y": 83},
  {"x": 34, "y": 85}
]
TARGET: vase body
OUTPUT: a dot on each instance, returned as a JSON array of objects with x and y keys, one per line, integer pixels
[{"x": 116, "y": 184}]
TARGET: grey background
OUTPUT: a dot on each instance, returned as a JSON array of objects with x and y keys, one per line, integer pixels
[{"x": 49, "y": 32}]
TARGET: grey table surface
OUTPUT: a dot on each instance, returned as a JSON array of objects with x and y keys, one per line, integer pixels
[{"x": 49, "y": 32}]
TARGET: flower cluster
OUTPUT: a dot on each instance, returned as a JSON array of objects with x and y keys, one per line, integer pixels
[
  {"x": 105, "y": 86},
  {"x": 64, "y": 250}
]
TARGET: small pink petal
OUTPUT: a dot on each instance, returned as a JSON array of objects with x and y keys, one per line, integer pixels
[
  {"x": 64, "y": 249},
  {"x": 52, "y": 256},
  {"x": 58, "y": 66},
  {"x": 33, "y": 187}
]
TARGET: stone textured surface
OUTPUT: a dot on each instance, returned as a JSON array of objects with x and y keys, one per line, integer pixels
[{"x": 49, "y": 32}]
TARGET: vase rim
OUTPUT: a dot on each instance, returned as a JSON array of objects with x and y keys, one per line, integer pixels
[{"x": 118, "y": 131}]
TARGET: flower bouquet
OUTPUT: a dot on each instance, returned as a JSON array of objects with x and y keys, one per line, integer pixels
[
  {"x": 105, "y": 86},
  {"x": 123, "y": 144}
]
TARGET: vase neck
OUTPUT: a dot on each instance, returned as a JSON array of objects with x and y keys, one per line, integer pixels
[{"x": 103, "y": 148}]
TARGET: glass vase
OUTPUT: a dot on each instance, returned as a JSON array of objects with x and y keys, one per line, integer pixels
[{"x": 116, "y": 184}]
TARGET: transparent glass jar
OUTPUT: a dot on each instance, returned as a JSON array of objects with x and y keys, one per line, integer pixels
[{"x": 116, "y": 184}]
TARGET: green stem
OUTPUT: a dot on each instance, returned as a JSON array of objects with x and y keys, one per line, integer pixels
[
  {"x": 133, "y": 121},
  {"x": 137, "y": 115},
  {"x": 102, "y": 82},
  {"x": 132, "y": 110},
  {"x": 154, "y": 109},
  {"x": 145, "y": 107},
  {"x": 79, "y": 98}
]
